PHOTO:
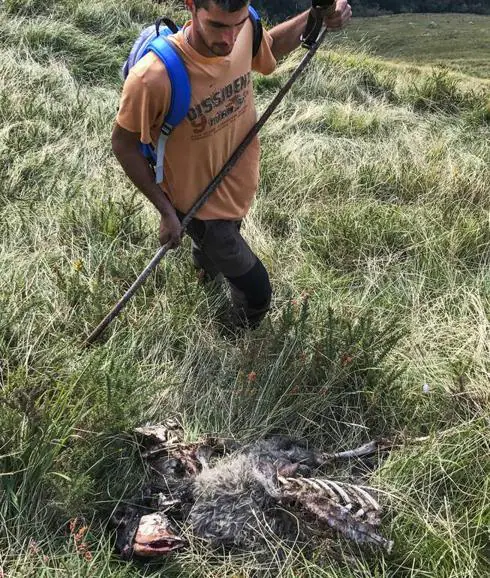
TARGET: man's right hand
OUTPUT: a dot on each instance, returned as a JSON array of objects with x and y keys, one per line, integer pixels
[
  {"x": 125, "y": 145},
  {"x": 170, "y": 230}
]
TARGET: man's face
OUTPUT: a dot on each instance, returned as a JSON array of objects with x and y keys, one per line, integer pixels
[{"x": 217, "y": 28}]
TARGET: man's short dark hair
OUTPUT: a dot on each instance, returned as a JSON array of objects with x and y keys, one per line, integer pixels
[{"x": 228, "y": 5}]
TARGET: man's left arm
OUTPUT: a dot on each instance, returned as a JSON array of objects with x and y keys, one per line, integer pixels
[{"x": 287, "y": 35}]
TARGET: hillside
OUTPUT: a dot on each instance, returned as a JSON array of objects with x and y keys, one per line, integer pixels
[
  {"x": 278, "y": 9},
  {"x": 373, "y": 220},
  {"x": 457, "y": 41}
]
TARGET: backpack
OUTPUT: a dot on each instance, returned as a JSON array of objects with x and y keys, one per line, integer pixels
[{"x": 154, "y": 39}]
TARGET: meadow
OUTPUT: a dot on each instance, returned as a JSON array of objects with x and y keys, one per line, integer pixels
[
  {"x": 456, "y": 41},
  {"x": 373, "y": 220}
]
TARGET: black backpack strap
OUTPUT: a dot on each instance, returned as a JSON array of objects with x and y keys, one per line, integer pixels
[
  {"x": 258, "y": 30},
  {"x": 169, "y": 23}
]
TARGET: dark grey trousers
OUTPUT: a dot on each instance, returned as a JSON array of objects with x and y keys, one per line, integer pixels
[{"x": 219, "y": 248}]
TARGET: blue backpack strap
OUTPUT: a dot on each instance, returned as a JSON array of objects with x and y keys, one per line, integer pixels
[
  {"x": 258, "y": 31},
  {"x": 180, "y": 100}
]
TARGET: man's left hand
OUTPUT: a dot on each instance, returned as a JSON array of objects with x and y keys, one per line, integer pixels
[{"x": 337, "y": 19}]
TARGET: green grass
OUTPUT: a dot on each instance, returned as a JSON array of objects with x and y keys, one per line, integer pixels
[
  {"x": 458, "y": 41},
  {"x": 373, "y": 220}
]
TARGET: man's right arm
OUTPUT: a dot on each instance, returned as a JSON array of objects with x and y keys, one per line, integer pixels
[{"x": 125, "y": 145}]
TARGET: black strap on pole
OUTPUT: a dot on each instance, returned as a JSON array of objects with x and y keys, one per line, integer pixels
[
  {"x": 213, "y": 185},
  {"x": 315, "y": 21}
]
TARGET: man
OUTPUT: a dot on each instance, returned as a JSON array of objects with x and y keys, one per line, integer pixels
[{"x": 216, "y": 46}]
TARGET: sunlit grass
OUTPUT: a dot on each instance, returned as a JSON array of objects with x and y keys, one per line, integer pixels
[
  {"x": 458, "y": 41},
  {"x": 373, "y": 220}
]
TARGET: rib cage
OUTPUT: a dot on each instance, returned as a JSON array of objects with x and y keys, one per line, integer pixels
[{"x": 347, "y": 508}]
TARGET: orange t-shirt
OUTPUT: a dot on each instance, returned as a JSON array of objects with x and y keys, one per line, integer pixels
[{"x": 221, "y": 114}]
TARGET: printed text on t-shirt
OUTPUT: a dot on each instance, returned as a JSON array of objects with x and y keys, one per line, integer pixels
[{"x": 229, "y": 100}]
